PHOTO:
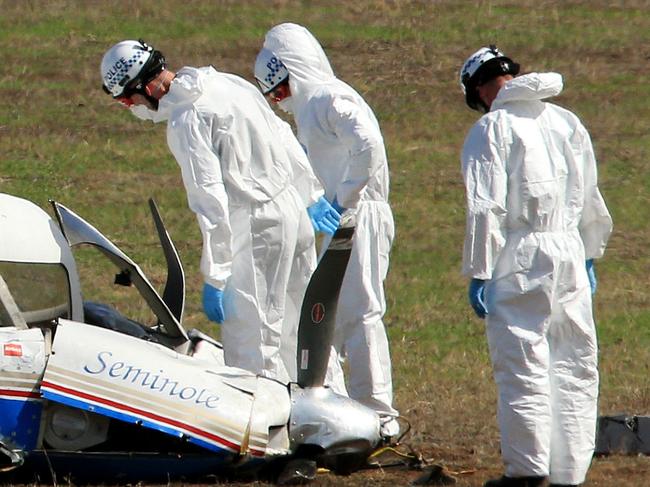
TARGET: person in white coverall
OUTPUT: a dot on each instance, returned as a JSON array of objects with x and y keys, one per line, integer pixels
[
  {"x": 345, "y": 146},
  {"x": 249, "y": 183},
  {"x": 535, "y": 221}
]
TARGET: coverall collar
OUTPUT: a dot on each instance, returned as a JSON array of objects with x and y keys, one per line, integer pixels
[
  {"x": 185, "y": 88},
  {"x": 303, "y": 57},
  {"x": 528, "y": 87}
]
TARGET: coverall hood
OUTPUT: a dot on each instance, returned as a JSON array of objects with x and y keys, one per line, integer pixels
[
  {"x": 533, "y": 86},
  {"x": 303, "y": 57}
]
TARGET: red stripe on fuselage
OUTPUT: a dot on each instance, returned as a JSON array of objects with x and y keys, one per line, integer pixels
[
  {"x": 27, "y": 394},
  {"x": 155, "y": 417}
]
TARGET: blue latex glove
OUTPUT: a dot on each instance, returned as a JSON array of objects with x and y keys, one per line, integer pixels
[
  {"x": 591, "y": 273},
  {"x": 476, "y": 294},
  {"x": 213, "y": 303},
  {"x": 337, "y": 207},
  {"x": 324, "y": 217}
]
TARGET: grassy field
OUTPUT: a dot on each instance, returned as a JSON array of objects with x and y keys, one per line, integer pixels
[{"x": 62, "y": 138}]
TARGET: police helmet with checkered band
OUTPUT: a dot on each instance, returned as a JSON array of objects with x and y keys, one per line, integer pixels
[
  {"x": 269, "y": 71},
  {"x": 484, "y": 65},
  {"x": 128, "y": 66}
]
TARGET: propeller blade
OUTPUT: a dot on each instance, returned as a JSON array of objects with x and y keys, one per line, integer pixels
[{"x": 318, "y": 312}]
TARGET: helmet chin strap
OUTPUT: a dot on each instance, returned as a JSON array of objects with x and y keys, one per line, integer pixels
[
  {"x": 153, "y": 101},
  {"x": 482, "y": 106},
  {"x": 475, "y": 102}
]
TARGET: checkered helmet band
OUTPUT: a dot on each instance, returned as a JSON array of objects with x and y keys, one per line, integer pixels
[{"x": 270, "y": 71}]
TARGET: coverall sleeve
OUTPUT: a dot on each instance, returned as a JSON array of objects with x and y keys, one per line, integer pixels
[
  {"x": 190, "y": 140},
  {"x": 360, "y": 135},
  {"x": 305, "y": 180},
  {"x": 596, "y": 222},
  {"x": 486, "y": 184}
]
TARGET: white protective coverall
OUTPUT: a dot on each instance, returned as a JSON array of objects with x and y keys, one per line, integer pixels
[
  {"x": 346, "y": 149},
  {"x": 249, "y": 183},
  {"x": 534, "y": 215}
]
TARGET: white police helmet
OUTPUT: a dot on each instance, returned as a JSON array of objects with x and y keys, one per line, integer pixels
[
  {"x": 128, "y": 64},
  {"x": 484, "y": 65},
  {"x": 269, "y": 70}
]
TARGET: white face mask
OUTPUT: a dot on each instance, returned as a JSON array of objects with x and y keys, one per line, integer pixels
[
  {"x": 142, "y": 112},
  {"x": 286, "y": 105}
]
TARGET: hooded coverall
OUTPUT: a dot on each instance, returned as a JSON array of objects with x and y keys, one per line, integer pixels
[
  {"x": 535, "y": 214},
  {"x": 249, "y": 183},
  {"x": 346, "y": 149}
]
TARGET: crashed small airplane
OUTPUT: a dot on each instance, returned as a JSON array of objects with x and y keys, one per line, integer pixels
[{"x": 90, "y": 395}]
